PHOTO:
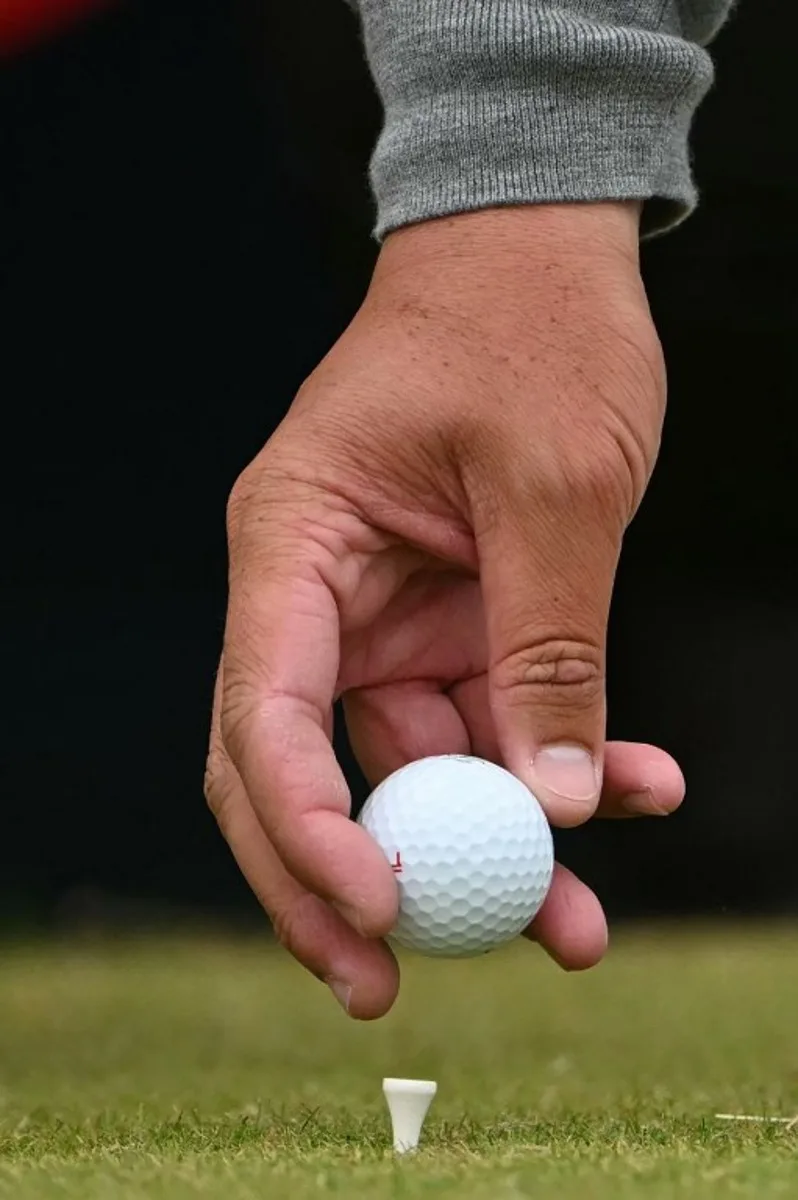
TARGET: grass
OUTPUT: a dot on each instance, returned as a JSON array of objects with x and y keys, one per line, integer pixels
[{"x": 172, "y": 1069}]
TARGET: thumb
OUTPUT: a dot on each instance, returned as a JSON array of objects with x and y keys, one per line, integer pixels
[{"x": 547, "y": 564}]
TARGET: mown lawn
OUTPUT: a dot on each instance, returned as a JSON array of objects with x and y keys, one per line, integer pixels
[{"x": 190, "y": 1068}]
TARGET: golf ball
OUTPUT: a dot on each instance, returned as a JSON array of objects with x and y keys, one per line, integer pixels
[{"x": 471, "y": 850}]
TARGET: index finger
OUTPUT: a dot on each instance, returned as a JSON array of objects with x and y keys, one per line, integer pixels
[{"x": 281, "y": 657}]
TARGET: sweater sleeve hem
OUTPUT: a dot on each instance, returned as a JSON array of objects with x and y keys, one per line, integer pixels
[{"x": 492, "y": 104}]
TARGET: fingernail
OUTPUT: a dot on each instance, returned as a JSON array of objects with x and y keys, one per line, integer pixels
[
  {"x": 342, "y": 992},
  {"x": 567, "y": 770},
  {"x": 642, "y": 804}
]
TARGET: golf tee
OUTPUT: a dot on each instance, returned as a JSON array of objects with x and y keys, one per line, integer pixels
[{"x": 408, "y": 1102}]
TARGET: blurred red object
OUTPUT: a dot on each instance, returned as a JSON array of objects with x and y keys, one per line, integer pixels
[{"x": 24, "y": 23}]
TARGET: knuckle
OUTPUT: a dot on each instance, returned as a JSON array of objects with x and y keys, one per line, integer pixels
[
  {"x": 218, "y": 790},
  {"x": 235, "y": 719},
  {"x": 265, "y": 482},
  {"x": 221, "y": 782},
  {"x": 593, "y": 476},
  {"x": 297, "y": 926},
  {"x": 640, "y": 365},
  {"x": 622, "y": 469},
  {"x": 634, "y": 393},
  {"x": 607, "y": 479},
  {"x": 553, "y": 671},
  {"x": 241, "y": 495},
  {"x": 285, "y": 924}
]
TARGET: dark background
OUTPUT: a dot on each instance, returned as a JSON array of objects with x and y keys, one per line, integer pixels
[{"x": 184, "y": 229}]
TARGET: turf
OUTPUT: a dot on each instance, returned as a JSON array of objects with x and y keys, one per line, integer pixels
[{"x": 190, "y": 1068}]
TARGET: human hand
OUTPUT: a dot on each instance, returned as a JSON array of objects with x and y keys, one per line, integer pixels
[{"x": 432, "y": 534}]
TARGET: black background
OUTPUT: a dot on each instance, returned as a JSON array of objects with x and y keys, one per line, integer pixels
[{"x": 184, "y": 229}]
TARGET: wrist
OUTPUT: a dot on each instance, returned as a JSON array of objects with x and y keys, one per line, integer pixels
[{"x": 583, "y": 258}]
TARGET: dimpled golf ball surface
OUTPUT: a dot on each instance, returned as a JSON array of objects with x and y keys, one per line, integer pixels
[{"x": 471, "y": 850}]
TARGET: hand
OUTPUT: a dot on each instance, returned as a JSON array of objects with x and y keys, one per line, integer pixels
[{"x": 432, "y": 534}]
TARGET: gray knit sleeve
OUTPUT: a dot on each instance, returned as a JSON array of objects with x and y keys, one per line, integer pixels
[{"x": 491, "y": 102}]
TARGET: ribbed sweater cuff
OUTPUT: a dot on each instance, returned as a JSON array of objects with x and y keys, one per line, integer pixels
[{"x": 494, "y": 102}]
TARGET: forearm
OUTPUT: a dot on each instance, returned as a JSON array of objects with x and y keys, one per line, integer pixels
[{"x": 495, "y": 102}]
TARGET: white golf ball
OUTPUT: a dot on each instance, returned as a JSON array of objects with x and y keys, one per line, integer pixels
[{"x": 471, "y": 850}]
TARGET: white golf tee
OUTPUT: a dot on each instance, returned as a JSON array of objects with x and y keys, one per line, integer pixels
[{"x": 408, "y": 1102}]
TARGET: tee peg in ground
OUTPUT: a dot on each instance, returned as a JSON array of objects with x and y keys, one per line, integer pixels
[{"x": 408, "y": 1102}]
